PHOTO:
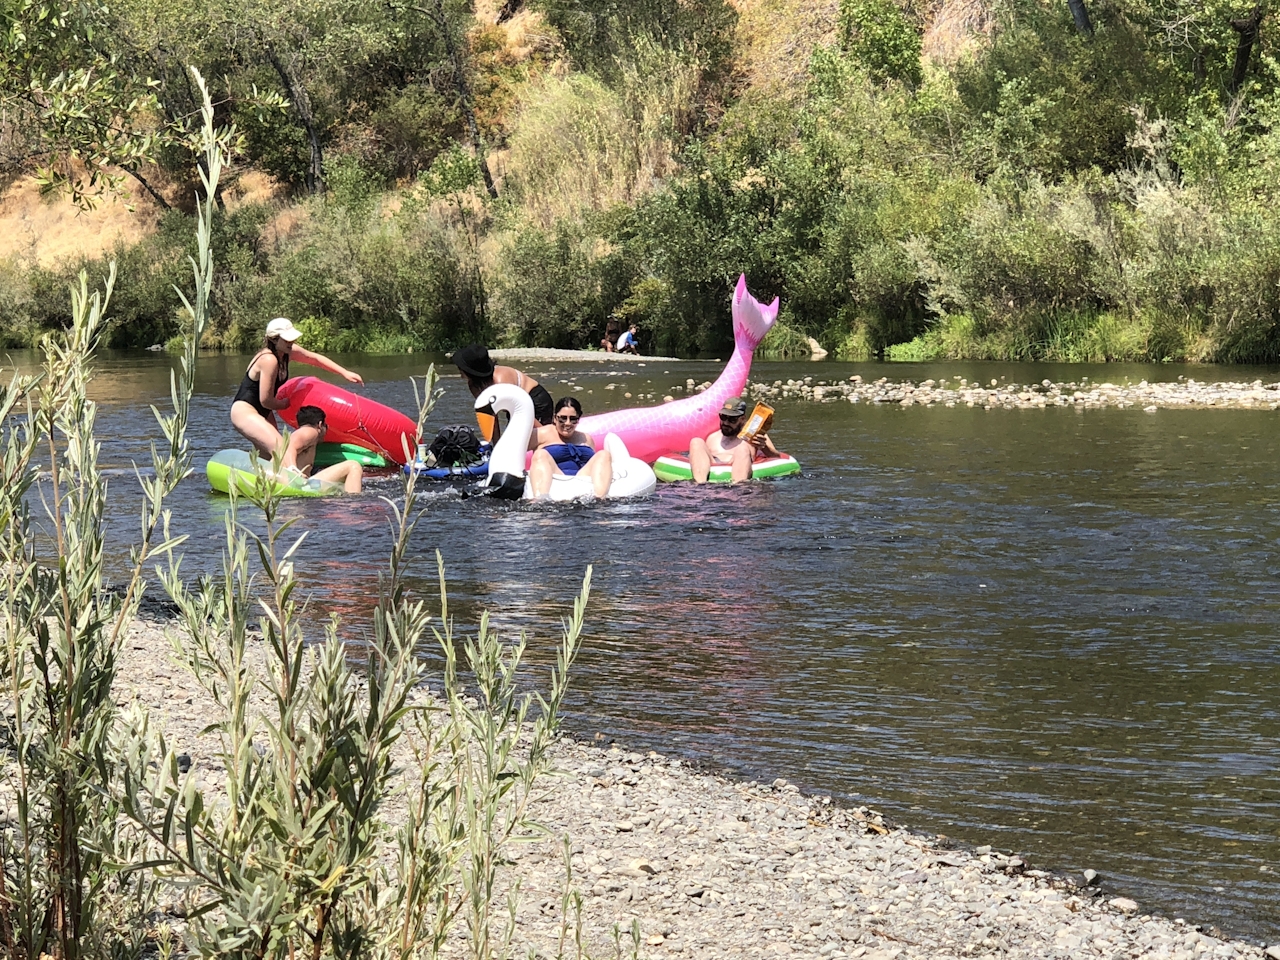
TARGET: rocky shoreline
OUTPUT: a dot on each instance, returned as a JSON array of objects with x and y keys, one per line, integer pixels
[
  {"x": 709, "y": 867},
  {"x": 1183, "y": 393},
  {"x": 1150, "y": 397}
]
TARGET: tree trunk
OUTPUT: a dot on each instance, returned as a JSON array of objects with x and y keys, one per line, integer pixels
[
  {"x": 436, "y": 15},
  {"x": 1080, "y": 14},
  {"x": 509, "y": 10},
  {"x": 302, "y": 107},
  {"x": 164, "y": 204},
  {"x": 1248, "y": 31}
]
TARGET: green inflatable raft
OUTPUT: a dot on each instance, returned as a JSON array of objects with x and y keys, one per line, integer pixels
[
  {"x": 675, "y": 466},
  {"x": 327, "y": 454},
  {"x": 236, "y": 466}
]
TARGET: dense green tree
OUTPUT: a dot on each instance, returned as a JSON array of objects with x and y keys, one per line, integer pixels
[{"x": 72, "y": 110}]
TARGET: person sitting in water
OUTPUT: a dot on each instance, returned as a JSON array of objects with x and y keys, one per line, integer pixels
[
  {"x": 300, "y": 453},
  {"x": 480, "y": 371},
  {"x": 725, "y": 446},
  {"x": 628, "y": 343},
  {"x": 253, "y": 410},
  {"x": 560, "y": 448}
]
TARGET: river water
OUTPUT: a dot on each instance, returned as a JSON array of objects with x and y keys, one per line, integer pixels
[{"x": 1054, "y": 631}]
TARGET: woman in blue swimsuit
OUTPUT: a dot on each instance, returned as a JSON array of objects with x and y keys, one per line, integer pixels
[{"x": 560, "y": 448}]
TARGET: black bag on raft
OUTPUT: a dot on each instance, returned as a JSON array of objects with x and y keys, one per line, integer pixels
[{"x": 456, "y": 446}]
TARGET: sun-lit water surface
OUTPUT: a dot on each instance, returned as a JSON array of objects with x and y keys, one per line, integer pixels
[{"x": 1050, "y": 630}]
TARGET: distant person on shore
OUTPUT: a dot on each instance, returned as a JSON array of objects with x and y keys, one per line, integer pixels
[
  {"x": 628, "y": 343},
  {"x": 253, "y": 409},
  {"x": 611, "y": 330},
  {"x": 561, "y": 449},
  {"x": 480, "y": 372},
  {"x": 726, "y": 447},
  {"x": 300, "y": 453}
]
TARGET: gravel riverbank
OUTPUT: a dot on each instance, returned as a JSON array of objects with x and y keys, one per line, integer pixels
[{"x": 715, "y": 868}]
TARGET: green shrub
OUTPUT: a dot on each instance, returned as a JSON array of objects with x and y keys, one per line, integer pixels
[
  {"x": 927, "y": 346},
  {"x": 784, "y": 342},
  {"x": 879, "y": 34}
]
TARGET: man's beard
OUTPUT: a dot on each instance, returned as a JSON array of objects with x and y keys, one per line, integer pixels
[{"x": 728, "y": 431}]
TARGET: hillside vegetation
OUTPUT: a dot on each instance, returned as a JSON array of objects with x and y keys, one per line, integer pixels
[{"x": 1069, "y": 180}]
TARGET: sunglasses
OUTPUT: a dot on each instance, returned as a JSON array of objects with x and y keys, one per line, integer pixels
[
  {"x": 567, "y": 419},
  {"x": 729, "y": 418}
]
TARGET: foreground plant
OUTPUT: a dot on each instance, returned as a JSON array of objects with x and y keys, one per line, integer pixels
[
  {"x": 61, "y": 892},
  {"x": 294, "y": 855},
  {"x": 286, "y": 859}
]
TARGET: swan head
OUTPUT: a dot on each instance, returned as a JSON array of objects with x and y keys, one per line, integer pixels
[{"x": 504, "y": 397}]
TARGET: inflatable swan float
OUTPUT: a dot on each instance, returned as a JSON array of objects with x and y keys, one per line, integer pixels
[
  {"x": 508, "y": 478},
  {"x": 650, "y": 432}
]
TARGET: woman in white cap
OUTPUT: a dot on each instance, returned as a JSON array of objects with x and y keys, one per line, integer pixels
[{"x": 253, "y": 410}]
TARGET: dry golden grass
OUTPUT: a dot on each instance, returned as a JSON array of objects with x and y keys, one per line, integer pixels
[
  {"x": 956, "y": 27},
  {"x": 252, "y": 186},
  {"x": 776, "y": 38},
  {"x": 49, "y": 230}
]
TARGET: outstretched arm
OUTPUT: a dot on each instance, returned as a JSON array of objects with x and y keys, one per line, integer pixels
[{"x": 324, "y": 363}]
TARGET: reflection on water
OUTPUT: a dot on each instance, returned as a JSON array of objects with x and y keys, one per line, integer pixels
[{"x": 1050, "y": 630}]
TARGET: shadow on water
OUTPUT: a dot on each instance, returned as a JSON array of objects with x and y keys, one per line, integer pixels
[{"x": 1050, "y": 630}]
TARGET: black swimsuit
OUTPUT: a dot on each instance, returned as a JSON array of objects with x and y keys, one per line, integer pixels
[{"x": 250, "y": 391}]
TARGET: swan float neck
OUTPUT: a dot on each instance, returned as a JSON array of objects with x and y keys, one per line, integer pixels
[{"x": 507, "y": 477}]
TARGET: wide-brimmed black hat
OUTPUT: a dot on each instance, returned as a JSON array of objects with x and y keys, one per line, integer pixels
[
  {"x": 473, "y": 360},
  {"x": 734, "y": 407}
]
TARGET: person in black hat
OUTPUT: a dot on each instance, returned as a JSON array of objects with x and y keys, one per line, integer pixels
[
  {"x": 725, "y": 446},
  {"x": 479, "y": 370}
]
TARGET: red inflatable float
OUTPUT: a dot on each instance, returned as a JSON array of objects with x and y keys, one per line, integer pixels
[{"x": 351, "y": 418}]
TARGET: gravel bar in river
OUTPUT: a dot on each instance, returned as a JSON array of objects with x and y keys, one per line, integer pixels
[
  {"x": 1151, "y": 397},
  {"x": 714, "y": 868}
]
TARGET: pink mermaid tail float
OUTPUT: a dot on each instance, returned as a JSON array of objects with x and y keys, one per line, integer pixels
[{"x": 650, "y": 432}]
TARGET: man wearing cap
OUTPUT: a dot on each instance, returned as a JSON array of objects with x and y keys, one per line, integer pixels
[
  {"x": 253, "y": 410},
  {"x": 725, "y": 446},
  {"x": 480, "y": 372}
]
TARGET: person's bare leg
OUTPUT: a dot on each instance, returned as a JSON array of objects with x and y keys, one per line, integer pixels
[
  {"x": 255, "y": 428},
  {"x": 600, "y": 469},
  {"x": 541, "y": 470},
  {"x": 349, "y": 473},
  {"x": 740, "y": 468},
  {"x": 699, "y": 460}
]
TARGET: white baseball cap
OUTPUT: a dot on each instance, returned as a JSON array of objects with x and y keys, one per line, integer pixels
[{"x": 283, "y": 328}]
